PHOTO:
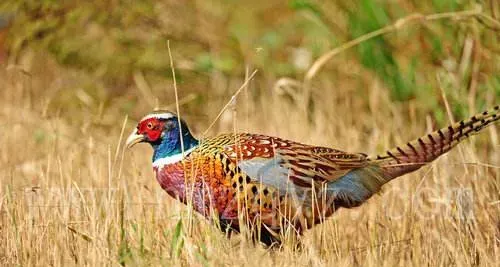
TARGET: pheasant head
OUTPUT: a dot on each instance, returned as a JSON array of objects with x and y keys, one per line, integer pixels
[{"x": 161, "y": 129}]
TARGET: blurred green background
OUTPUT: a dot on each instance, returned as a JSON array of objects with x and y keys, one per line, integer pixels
[{"x": 114, "y": 46}]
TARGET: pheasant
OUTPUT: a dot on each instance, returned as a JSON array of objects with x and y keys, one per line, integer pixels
[{"x": 272, "y": 184}]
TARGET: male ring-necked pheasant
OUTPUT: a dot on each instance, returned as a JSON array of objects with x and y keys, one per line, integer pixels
[{"x": 276, "y": 183}]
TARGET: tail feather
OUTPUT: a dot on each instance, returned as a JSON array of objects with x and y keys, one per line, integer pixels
[{"x": 415, "y": 154}]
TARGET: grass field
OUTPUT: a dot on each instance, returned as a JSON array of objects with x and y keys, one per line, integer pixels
[{"x": 79, "y": 76}]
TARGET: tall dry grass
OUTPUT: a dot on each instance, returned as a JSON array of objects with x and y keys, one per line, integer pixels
[{"x": 71, "y": 195}]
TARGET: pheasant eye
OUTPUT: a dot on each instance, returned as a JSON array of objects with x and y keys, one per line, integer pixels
[{"x": 150, "y": 125}]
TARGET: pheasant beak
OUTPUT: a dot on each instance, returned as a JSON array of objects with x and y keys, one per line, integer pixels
[{"x": 133, "y": 139}]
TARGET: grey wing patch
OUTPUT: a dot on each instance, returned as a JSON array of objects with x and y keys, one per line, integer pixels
[
  {"x": 354, "y": 188},
  {"x": 268, "y": 171}
]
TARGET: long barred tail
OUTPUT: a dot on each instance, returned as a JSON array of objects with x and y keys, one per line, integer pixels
[{"x": 415, "y": 154}]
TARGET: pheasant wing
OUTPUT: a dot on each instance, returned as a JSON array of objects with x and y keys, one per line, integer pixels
[{"x": 275, "y": 161}]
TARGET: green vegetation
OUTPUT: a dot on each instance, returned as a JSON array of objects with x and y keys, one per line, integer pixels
[{"x": 111, "y": 40}]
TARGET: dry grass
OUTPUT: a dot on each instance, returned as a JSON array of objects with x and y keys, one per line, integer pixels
[{"x": 70, "y": 194}]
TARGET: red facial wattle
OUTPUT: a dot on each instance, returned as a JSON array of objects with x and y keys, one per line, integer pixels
[{"x": 152, "y": 128}]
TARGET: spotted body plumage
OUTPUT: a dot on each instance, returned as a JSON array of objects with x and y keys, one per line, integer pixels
[{"x": 274, "y": 184}]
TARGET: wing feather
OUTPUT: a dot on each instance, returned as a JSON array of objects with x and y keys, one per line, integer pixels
[{"x": 275, "y": 161}]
